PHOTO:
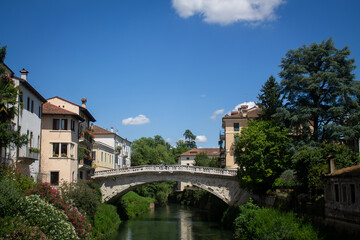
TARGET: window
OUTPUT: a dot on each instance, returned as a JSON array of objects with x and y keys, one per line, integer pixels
[
  {"x": 352, "y": 193},
  {"x": 32, "y": 106},
  {"x": 105, "y": 157},
  {"x": 81, "y": 175},
  {"x": 56, "y": 123},
  {"x": 236, "y": 127},
  {"x": 73, "y": 176},
  {"x": 101, "y": 156},
  {"x": 64, "y": 150},
  {"x": 56, "y": 149},
  {"x": 93, "y": 155},
  {"x": 21, "y": 97},
  {"x": 28, "y": 104},
  {"x": 39, "y": 111},
  {"x": 236, "y": 138},
  {"x": 72, "y": 125},
  {"x": 336, "y": 188},
  {"x": 54, "y": 178},
  {"x": 344, "y": 194},
  {"x": 31, "y": 139},
  {"x": 71, "y": 150},
  {"x": 64, "y": 124}
]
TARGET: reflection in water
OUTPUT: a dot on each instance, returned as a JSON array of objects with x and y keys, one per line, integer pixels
[{"x": 173, "y": 222}]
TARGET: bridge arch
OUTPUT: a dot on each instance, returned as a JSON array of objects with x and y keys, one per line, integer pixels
[{"x": 220, "y": 182}]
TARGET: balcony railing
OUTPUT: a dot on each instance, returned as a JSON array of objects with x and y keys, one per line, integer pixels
[
  {"x": 86, "y": 163},
  {"x": 86, "y": 137}
]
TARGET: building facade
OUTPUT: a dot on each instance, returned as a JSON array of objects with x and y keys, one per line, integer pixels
[
  {"x": 342, "y": 198},
  {"x": 67, "y": 141},
  {"x": 232, "y": 125},
  {"x": 27, "y": 122},
  {"x": 111, "y": 151}
]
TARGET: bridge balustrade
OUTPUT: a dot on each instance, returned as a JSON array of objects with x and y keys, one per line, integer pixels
[{"x": 170, "y": 168}]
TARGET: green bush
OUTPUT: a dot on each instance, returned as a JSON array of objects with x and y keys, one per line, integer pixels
[
  {"x": 52, "y": 222},
  {"x": 9, "y": 197},
  {"x": 106, "y": 222},
  {"x": 270, "y": 224},
  {"x": 14, "y": 228},
  {"x": 131, "y": 205},
  {"x": 85, "y": 198},
  {"x": 286, "y": 180}
]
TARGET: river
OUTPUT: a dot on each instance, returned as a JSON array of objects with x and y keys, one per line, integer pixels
[{"x": 173, "y": 222}]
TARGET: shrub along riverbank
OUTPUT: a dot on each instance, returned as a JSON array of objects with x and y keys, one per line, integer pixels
[{"x": 30, "y": 210}]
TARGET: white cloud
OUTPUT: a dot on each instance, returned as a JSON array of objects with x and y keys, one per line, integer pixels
[
  {"x": 168, "y": 140},
  {"x": 201, "y": 139},
  {"x": 250, "y": 105},
  {"x": 228, "y": 11},
  {"x": 217, "y": 112},
  {"x": 138, "y": 120}
]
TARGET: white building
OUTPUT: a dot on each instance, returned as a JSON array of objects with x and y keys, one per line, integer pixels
[
  {"x": 110, "y": 150},
  {"x": 28, "y": 121}
]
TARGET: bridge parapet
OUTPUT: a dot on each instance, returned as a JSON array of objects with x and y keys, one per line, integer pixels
[{"x": 168, "y": 169}]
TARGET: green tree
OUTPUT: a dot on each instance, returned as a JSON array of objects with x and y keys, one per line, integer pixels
[
  {"x": 202, "y": 159},
  {"x": 321, "y": 99},
  {"x": 311, "y": 163},
  {"x": 8, "y": 108},
  {"x": 151, "y": 151},
  {"x": 269, "y": 99},
  {"x": 180, "y": 148},
  {"x": 262, "y": 155},
  {"x": 190, "y": 139}
]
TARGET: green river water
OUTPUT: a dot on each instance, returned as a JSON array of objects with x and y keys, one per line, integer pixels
[{"x": 173, "y": 222}]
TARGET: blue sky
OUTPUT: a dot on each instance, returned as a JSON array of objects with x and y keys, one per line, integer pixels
[{"x": 168, "y": 64}]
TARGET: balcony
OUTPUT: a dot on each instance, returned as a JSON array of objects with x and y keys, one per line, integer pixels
[
  {"x": 85, "y": 163},
  {"x": 86, "y": 137}
]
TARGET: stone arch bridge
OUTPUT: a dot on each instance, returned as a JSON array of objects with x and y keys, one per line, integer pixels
[{"x": 220, "y": 182}]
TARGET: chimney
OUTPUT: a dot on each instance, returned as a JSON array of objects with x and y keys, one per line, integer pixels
[
  {"x": 112, "y": 129},
  {"x": 331, "y": 163},
  {"x": 83, "y": 102},
  {"x": 24, "y": 74},
  {"x": 117, "y": 131}
]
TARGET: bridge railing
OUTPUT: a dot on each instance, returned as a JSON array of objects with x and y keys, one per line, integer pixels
[{"x": 169, "y": 168}]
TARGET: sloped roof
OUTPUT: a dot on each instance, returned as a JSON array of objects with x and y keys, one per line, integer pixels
[
  {"x": 208, "y": 151},
  {"x": 86, "y": 112},
  {"x": 99, "y": 130},
  {"x": 50, "y": 109},
  {"x": 251, "y": 113},
  {"x": 349, "y": 171}
]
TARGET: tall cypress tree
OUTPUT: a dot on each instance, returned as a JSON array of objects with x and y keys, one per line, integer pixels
[
  {"x": 321, "y": 98},
  {"x": 269, "y": 99}
]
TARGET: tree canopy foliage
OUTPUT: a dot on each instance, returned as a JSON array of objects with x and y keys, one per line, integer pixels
[
  {"x": 202, "y": 159},
  {"x": 262, "y": 152},
  {"x": 321, "y": 98},
  {"x": 190, "y": 139},
  {"x": 269, "y": 99}
]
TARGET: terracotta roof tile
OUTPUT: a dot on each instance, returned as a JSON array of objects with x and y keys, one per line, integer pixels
[
  {"x": 99, "y": 130},
  {"x": 208, "y": 151},
  {"x": 81, "y": 108},
  {"x": 50, "y": 109},
  {"x": 251, "y": 113},
  {"x": 345, "y": 171}
]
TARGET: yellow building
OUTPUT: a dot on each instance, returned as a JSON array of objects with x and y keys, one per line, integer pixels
[
  {"x": 232, "y": 125},
  {"x": 66, "y": 141}
]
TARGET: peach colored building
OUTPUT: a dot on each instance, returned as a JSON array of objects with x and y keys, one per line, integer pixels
[
  {"x": 66, "y": 141},
  {"x": 232, "y": 125}
]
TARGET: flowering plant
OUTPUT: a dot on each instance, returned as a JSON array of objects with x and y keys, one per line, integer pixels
[
  {"x": 63, "y": 155},
  {"x": 51, "y": 221},
  {"x": 15, "y": 228},
  {"x": 54, "y": 197}
]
